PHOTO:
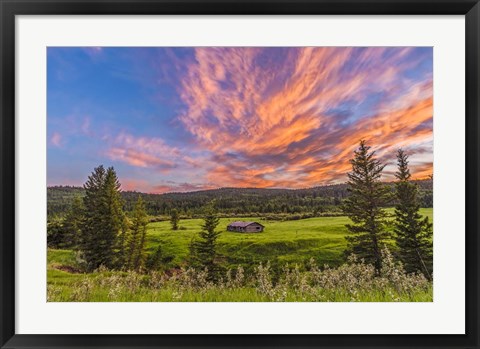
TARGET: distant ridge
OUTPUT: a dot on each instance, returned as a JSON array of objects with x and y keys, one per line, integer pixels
[{"x": 232, "y": 200}]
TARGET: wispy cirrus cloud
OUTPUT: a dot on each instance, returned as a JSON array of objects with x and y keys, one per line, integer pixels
[
  {"x": 268, "y": 115},
  {"x": 139, "y": 159},
  {"x": 143, "y": 152}
]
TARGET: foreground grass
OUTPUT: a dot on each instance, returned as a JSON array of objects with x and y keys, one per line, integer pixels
[
  {"x": 245, "y": 294},
  {"x": 353, "y": 282}
]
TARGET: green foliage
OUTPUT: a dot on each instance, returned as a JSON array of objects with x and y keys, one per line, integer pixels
[
  {"x": 352, "y": 282},
  {"x": 135, "y": 250},
  {"x": 158, "y": 260},
  {"x": 279, "y": 204},
  {"x": 413, "y": 232},
  {"x": 297, "y": 241},
  {"x": 292, "y": 242},
  {"x": 72, "y": 223},
  {"x": 65, "y": 232},
  {"x": 203, "y": 251},
  {"x": 174, "y": 219},
  {"x": 365, "y": 207},
  {"x": 103, "y": 219},
  {"x": 55, "y": 233}
]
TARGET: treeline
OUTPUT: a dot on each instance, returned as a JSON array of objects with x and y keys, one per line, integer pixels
[{"x": 275, "y": 203}]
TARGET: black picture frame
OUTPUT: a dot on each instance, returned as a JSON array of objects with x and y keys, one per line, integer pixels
[{"x": 11, "y": 8}]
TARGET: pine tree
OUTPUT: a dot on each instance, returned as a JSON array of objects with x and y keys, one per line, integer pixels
[
  {"x": 365, "y": 205},
  {"x": 103, "y": 218},
  {"x": 174, "y": 219},
  {"x": 139, "y": 231},
  {"x": 122, "y": 240},
  {"x": 413, "y": 232},
  {"x": 203, "y": 251},
  {"x": 91, "y": 225}
]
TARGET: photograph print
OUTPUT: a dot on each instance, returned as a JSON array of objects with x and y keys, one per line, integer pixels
[{"x": 239, "y": 174}]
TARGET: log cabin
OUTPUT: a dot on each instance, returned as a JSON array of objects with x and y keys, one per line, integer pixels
[{"x": 245, "y": 227}]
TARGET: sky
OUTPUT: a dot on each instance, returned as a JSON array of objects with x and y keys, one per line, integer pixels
[{"x": 186, "y": 119}]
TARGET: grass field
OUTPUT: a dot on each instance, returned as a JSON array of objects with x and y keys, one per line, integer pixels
[{"x": 294, "y": 242}]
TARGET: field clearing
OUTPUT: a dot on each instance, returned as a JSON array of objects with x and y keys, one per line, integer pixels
[
  {"x": 321, "y": 238},
  {"x": 282, "y": 242},
  {"x": 297, "y": 241}
]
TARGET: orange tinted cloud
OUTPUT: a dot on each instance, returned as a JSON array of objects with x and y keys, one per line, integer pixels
[
  {"x": 276, "y": 123},
  {"x": 138, "y": 159},
  {"x": 142, "y": 152},
  {"x": 153, "y": 153}
]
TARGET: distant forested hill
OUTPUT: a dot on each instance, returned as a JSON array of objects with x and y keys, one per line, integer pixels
[{"x": 229, "y": 201}]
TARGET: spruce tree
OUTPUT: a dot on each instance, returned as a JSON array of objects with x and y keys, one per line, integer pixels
[
  {"x": 139, "y": 231},
  {"x": 103, "y": 218},
  {"x": 203, "y": 251},
  {"x": 364, "y": 206},
  {"x": 174, "y": 219},
  {"x": 413, "y": 232},
  {"x": 91, "y": 225},
  {"x": 114, "y": 217},
  {"x": 122, "y": 243}
]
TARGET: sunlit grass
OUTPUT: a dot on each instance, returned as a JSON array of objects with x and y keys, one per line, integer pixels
[{"x": 294, "y": 242}]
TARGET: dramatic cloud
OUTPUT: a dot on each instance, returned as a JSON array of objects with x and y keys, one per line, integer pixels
[
  {"x": 200, "y": 118},
  {"x": 292, "y": 117}
]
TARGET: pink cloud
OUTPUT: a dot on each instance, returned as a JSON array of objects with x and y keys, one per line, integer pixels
[
  {"x": 138, "y": 159},
  {"x": 268, "y": 134},
  {"x": 130, "y": 184},
  {"x": 152, "y": 152},
  {"x": 179, "y": 187},
  {"x": 56, "y": 139}
]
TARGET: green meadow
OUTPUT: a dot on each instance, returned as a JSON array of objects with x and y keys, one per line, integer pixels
[
  {"x": 293, "y": 242},
  {"x": 321, "y": 238}
]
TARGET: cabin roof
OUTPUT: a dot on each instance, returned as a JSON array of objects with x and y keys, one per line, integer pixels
[{"x": 242, "y": 224}]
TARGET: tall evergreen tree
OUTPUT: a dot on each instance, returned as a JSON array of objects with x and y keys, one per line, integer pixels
[
  {"x": 122, "y": 243},
  {"x": 91, "y": 225},
  {"x": 103, "y": 218},
  {"x": 413, "y": 232},
  {"x": 174, "y": 219},
  {"x": 203, "y": 251},
  {"x": 364, "y": 206},
  {"x": 137, "y": 237}
]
